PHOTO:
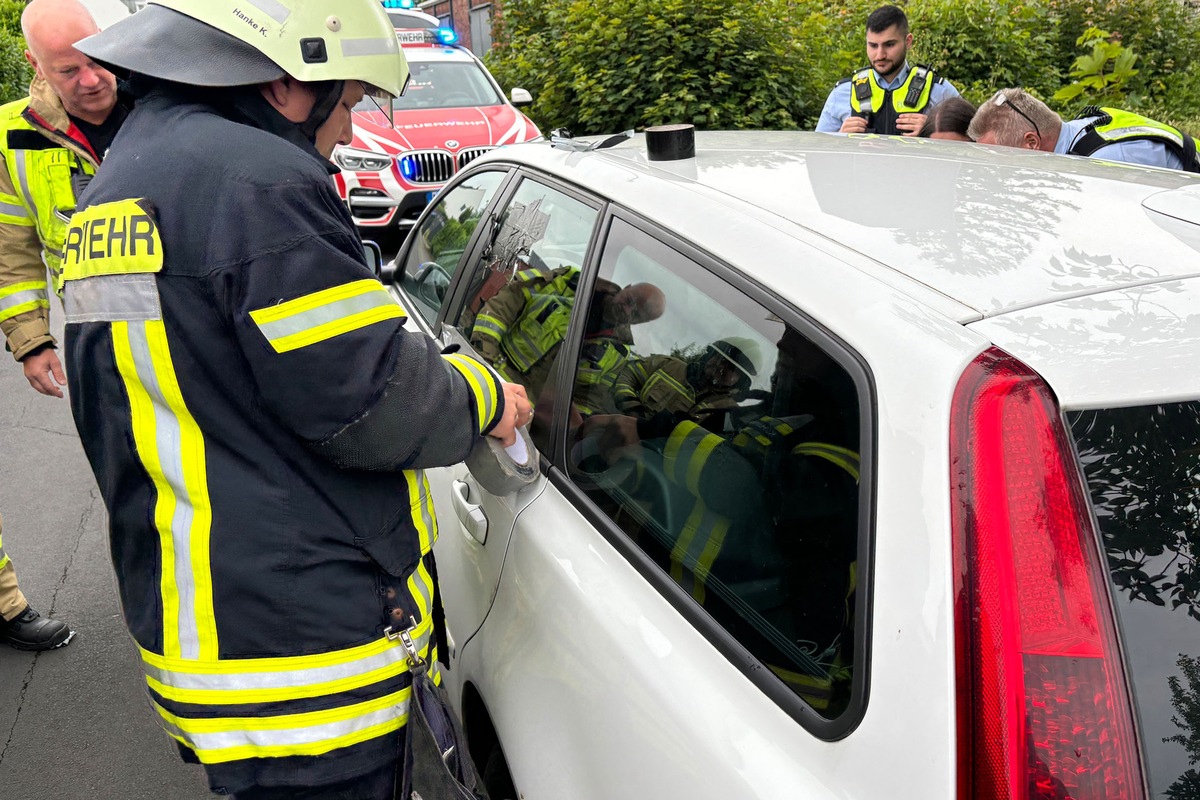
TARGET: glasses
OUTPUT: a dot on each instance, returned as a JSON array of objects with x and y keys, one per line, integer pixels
[{"x": 1002, "y": 99}]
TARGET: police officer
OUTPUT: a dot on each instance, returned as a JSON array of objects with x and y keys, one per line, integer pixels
[
  {"x": 1015, "y": 118},
  {"x": 255, "y": 414},
  {"x": 52, "y": 141},
  {"x": 889, "y": 96}
]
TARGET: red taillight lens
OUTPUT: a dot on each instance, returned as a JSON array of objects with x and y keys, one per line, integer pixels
[{"x": 1043, "y": 710}]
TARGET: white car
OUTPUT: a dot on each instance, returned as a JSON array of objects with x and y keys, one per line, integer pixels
[{"x": 893, "y": 495}]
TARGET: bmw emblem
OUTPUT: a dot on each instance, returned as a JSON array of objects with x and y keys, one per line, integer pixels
[{"x": 452, "y": 143}]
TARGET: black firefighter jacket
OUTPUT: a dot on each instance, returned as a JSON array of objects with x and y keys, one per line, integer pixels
[{"x": 221, "y": 327}]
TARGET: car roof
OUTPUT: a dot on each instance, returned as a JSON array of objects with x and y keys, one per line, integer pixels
[{"x": 991, "y": 229}]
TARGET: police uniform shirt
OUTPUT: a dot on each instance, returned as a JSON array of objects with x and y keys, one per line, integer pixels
[
  {"x": 837, "y": 105},
  {"x": 1137, "y": 151}
]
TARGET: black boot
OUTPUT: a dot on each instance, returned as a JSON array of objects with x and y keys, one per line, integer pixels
[{"x": 29, "y": 630}]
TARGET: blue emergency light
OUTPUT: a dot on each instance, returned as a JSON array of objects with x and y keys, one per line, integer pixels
[
  {"x": 399, "y": 3},
  {"x": 447, "y": 36}
]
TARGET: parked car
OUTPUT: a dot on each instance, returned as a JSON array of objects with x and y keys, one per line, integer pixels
[
  {"x": 451, "y": 112},
  {"x": 895, "y": 496}
]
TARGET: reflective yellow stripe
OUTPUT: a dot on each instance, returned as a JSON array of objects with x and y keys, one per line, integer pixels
[
  {"x": 325, "y": 314},
  {"x": 19, "y": 298},
  {"x": 422, "y": 509},
  {"x": 487, "y": 325},
  {"x": 843, "y": 457},
  {"x": 696, "y": 463},
  {"x": 111, "y": 239},
  {"x": 171, "y": 448},
  {"x": 257, "y": 680},
  {"x": 483, "y": 387},
  {"x": 222, "y": 739}
]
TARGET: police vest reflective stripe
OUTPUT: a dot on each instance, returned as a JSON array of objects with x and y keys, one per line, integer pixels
[
  {"x": 867, "y": 96},
  {"x": 1114, "y": 125},
  {"x": 45, "y": 173}
]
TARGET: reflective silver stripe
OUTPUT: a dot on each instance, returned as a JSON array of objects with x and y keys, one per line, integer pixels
[
  {"x": 1117, "y": 134},
  {"x": 14, "y": 211},
  {"x": 20, "y": 156},
  {"x": 302, "y": 734},
  {"x": 426, "y": 517},
  {"x": 369, "y": 47},
  {"x": 112, "y": 298},
  {"x": 21, "y": 298},
  {"x": 321, "y": 315},
  {"x": 281, "y": 679},
  {"x": 486, "y": 385},
  {"x": 275, "y": 10},
  {"x": 168, "y": 435}
]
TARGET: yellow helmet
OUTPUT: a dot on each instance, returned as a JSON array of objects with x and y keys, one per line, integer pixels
[{"x": 245, "y": 42}]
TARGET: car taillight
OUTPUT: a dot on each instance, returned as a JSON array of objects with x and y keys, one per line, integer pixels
[{"x": 1043, "y": 709}]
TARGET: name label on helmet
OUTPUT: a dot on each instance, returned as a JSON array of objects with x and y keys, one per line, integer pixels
[{"x": 112, "y": 239}]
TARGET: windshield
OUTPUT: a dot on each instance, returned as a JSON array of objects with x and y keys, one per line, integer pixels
[
  {"x": 402, "y": 20},
  {"x": 443, "y": 85},
  {"x": 1143, "y": 472}
]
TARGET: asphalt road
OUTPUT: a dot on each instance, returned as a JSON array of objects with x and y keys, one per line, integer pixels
[{"x": 75, "y": 723}]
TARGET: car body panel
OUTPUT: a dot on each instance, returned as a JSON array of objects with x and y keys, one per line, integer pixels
[{"x": 1127, "y": 347}]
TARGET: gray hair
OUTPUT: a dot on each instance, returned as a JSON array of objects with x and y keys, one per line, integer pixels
[{"x": 1001, "y": 116}]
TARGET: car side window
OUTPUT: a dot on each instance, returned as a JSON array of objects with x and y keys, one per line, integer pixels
[
  {"x": 724, "y": 442},
  {"x": 439, "y": 244},
  {"x": 520, "y": 296}
]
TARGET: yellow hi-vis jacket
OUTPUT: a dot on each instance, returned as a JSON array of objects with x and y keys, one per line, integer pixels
[
  {"x": 45, "y": 159},
  {"x": 1114, "y": 125},
  {"x": 884, "y": 106}
]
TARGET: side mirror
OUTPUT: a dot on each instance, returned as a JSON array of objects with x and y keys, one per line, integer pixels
[
  {"x": 521, "y": 97},
  {"x": 374, "y": 257}
]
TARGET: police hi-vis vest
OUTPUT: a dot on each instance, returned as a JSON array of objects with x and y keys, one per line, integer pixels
[
  {"x": 1115, "y": 125},
  {"x": 49, "y": 168},
  {"x": 883, "y": 107}
]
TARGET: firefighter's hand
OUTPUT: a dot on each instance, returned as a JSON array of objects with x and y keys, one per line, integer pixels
[
  {"x": 853, "y": 124},
  {"x": 910, "y": 124},
  {"x": 44, "y": 372},
  {"x": 616, "y": 435},
  {"x": 518, "y": 411}
]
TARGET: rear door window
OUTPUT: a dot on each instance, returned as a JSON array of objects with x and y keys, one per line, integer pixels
[
  {"x": 725, "y": 443},
  {"x": 1142, "y": 467}
]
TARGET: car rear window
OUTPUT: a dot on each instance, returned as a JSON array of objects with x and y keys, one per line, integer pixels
[{"x": 1142, "y": 467}]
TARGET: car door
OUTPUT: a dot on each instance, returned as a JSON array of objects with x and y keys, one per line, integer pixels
[
  {"x": 536, "y": 241},
  {"x": 683, "y": 591}
]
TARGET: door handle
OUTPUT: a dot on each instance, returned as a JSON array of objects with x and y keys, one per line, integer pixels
[{"x": 469, "y": 514}]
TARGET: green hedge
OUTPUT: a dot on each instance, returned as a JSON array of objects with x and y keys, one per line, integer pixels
[
  {"x": 595, "y": 67},
  {"x": 15, "y": 73}
]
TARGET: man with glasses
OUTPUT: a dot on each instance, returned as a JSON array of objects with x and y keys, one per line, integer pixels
[
  {"x": 1016, "y": 119},
  {"x": 889, "y": 96}
]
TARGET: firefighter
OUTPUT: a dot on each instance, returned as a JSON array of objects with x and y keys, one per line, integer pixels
[
  {"x": 1015, "y": 118},
  {"x": 696, "y": 387},
  {"x": 521, "y": 328},
  {"x": 256, "y": 416},
  {"x": 52, "y": 141},
  {"x": 890, "y": 96}
]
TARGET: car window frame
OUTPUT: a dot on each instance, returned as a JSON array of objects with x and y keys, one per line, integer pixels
[
  {"x": 433, "y": 327},
  {"x": 554, "y": 466},
  {"x": 448, "y": 333}
]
